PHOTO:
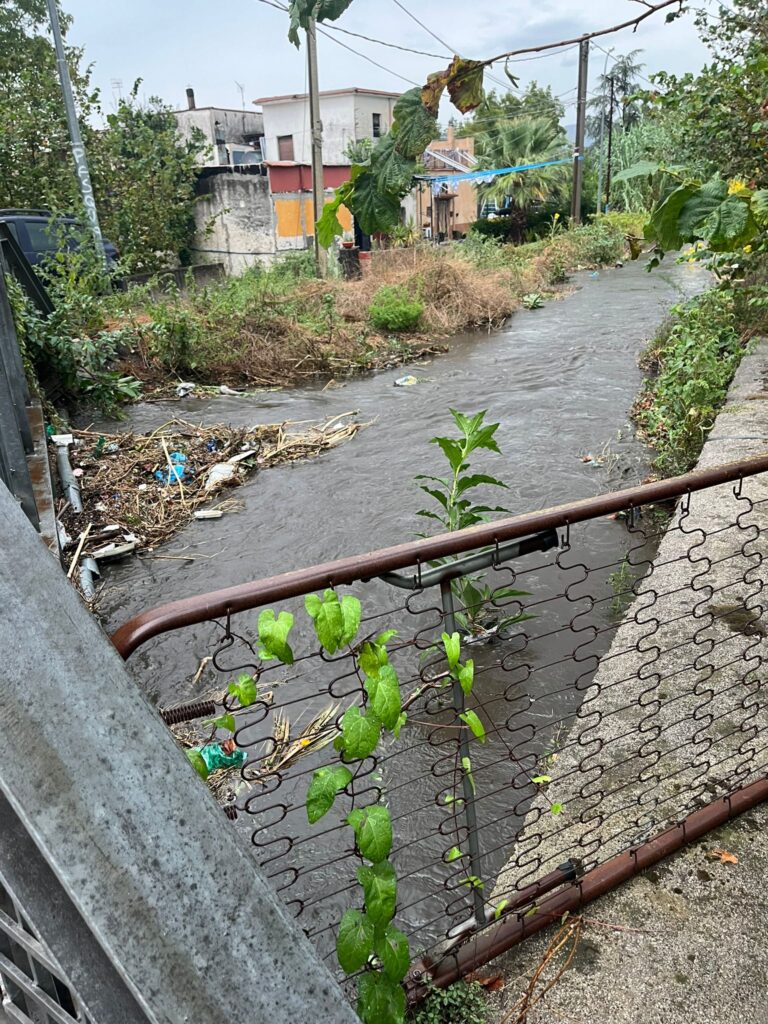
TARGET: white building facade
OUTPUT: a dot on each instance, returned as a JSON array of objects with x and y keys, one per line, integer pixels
[{"x": 348, "y": 115}]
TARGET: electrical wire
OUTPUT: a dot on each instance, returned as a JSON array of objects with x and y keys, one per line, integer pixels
[{"x": 281, "y": 7}]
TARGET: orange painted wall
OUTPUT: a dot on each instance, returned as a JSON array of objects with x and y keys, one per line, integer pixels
[{"x": 288, "y": 219}]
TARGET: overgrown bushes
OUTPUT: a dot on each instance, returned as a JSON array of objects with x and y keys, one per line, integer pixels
[
  {"x": 281, "y": 326},
  {"x": 393, "y": 309},
  {"x": 693, "y": 359}
]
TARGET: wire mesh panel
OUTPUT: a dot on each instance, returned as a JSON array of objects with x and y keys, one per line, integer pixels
[
  {"x": 32, "y": 985},
  {"x": 615, "y": 694}
]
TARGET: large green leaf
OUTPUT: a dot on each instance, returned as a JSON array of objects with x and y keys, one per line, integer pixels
[
  {"x": 359, "y": 733},
  {"x": 760, "y": 207},
  {"x": 354, "y": 942},
  {"x": 385, "y": 697},
  {"x": 245, "y": 690},
  {"x": 373, "y": 831},
  {"x": 379, "y": 999},
  {"x": 642, "y": 169},
  {"x": 413, "y": 125},
  {"x": 730, "y": 226},
  {"x": 393, "y": 951},
  {"x": 197, "y": 761},
  {"x": 380, "y": 887},
  {"x": 302, "y": 10},
  {"x": 273, "y": 636},
  {"x": 663, "y": 226},
  {"x": 326, "y": 783},
  {"x": 392, "y": 170},
  {"x": 350, "y": 617},
  {"x": 701, "y": 204},
  {"x": 374, "y": 209}
]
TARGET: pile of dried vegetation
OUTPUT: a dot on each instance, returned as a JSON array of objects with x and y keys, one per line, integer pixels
[{"x": 138, "y": 490}]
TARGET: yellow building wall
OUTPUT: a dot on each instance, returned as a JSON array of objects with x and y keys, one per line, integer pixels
[{"x": 288, "y": 217}]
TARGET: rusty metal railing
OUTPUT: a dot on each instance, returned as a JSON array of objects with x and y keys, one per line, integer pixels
[{"x": 619, "y": 692}]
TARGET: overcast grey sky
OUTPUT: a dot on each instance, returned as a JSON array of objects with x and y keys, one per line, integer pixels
[{"x": 212, "y": 46}]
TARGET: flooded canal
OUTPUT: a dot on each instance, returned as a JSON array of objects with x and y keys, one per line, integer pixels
[{"x": 561, "y": 381}]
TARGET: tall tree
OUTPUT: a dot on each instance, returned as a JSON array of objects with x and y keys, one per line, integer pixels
[
  {"x": 525, "y": 140},
  {"x": 626, "y": 110},
  {"x": 499, "y": 108},
  {"x": 722, "y": 113},
  {"x": 143, "y": 173}
]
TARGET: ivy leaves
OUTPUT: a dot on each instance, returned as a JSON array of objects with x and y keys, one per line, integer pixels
[
  {"x": 326, "y": 784},
  {"x": 373, "y": 831}
]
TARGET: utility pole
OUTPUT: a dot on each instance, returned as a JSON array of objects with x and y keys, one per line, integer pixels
[
  {"x": 581, "y": 119},
  {"x": 316, "y": 125},
  {"x": 610, "y": 150},
  {"x": 600, "y": 143},
  {"x": 78, "y": 149}
]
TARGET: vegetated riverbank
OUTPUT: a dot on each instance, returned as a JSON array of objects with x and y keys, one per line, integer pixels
[
  {"x": 692, "y": 361},
  {"x": 282, "y": 326}
]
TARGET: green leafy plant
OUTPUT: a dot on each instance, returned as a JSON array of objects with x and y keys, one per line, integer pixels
[
  {"x": 533, "y": 300},
  {"x": 462, "y": 1003},
  {"x": 693, "y": 360},
  {"x": 478, "y": 613},
  {"x": 393, "y": 309}
]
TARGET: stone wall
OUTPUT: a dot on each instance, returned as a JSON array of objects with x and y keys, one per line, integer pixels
[{"x": 235, "y": 221}]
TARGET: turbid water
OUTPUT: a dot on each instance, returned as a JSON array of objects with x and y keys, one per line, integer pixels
[{"x": 561, "y": 381}]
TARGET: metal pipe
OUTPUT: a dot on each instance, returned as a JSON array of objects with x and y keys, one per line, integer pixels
[
  {"x": 600, "y": 880},
  {"x": 467, "y": 785},
  {"x": 363, "y": 568},
  {"x": 68, "y": 479},
  {"x": 473, "y": 563}
]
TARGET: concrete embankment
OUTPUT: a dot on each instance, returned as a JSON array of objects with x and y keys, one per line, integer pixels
[{"x": 675, "y": 717}]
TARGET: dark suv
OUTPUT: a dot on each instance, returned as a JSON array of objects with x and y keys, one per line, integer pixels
[{"x": 40, "y": 234}]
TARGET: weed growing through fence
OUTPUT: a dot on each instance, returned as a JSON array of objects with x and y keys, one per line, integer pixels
[
  {"x": 479, "y": 612},
  {"x": 621, "y": 583}
]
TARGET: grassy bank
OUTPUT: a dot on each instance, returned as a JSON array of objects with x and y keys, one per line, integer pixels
[
  {"x": 691, "y": 362},
  {"x": 281, "y": 326}
]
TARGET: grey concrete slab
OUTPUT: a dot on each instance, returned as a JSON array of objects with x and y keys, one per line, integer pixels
[{"x": 138, "y": 843}]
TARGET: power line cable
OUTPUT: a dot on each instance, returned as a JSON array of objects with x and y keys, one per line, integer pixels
[{"x": 281, "y": 7}]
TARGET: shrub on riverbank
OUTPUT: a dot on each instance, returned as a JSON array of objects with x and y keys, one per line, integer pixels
[
  {"x": 693, "y": 359},
  {"x": 281, "y": 326}
]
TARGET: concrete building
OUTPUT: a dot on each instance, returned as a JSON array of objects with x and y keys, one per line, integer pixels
[
  {"x": 233, "y": 136},
  {"x": 441, "y": 210},
  {"x": 348, "y": 115}
]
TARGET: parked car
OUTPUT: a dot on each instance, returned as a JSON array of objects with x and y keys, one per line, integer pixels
[{"x": 39, "y": 234}]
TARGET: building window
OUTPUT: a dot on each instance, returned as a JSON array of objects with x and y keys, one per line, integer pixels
[
  {"x": 285, "y": 147},
  {"x": 377, "y": 126}
]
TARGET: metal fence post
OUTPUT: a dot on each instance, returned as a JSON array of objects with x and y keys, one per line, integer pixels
[{"x": 470, "y": 812}]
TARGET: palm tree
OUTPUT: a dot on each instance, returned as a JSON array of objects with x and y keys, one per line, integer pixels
[
  {"x": 525, "y": 140},
  {"x": 624, "y": 72}
]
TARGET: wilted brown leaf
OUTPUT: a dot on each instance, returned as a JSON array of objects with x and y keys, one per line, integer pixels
[{"x": 724, "y": 856}]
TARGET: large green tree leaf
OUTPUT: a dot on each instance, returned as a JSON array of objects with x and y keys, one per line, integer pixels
[
  {"x": 413, "y": 125},
  {"x": 701, "y": 204},
  {"x": 380, "y": 1000},
  {"x": 323, "y": 10},
  {"x": 663, "y": 226},
  {"x": 354, "y": 942},
  {"x": 730, "y": 226},
  {"x": 374, "y": 209}
]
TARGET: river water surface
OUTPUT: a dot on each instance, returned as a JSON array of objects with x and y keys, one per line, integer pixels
[{"x": 561, "y": 381}]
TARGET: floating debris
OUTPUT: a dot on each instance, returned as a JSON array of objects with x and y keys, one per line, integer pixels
[{"x": 143, "y": 491}]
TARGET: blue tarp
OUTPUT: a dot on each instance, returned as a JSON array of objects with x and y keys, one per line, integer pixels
[{"x": 482, "y": 175}]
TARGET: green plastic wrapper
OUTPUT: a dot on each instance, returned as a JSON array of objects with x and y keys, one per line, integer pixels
[{"x": 215, "y": 757}]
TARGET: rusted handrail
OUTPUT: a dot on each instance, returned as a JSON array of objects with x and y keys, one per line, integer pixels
[{"x": 360, "y": 568}]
